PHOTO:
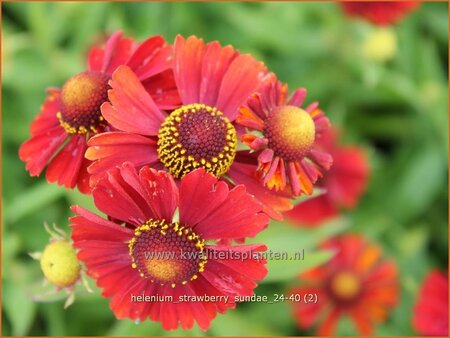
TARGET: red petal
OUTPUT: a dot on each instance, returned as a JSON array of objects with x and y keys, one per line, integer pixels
[
  {"x": 152, "y": 57},
  {"x": 161, "y": 192},
  {"x": 187, "y": 63},
  {"x": 313, "y": 211},
  {"x": 306, "y": 315},
  {"x": 273, "y": 203},
  {"x": 200, "y": 193},
  {"x": 244, "y": 261},
  {"x": 117, "y": 52},
  {"x": 297, "y": 97},
  {"x": 163, "y": 90},
  {"x": 84, "y": 177},
  {"x": 329, "y": 324},
  {"x": 39, "y": 149},
  {"x": 215, "y": 63},
  {"x": 95, "y": 59},
  {"x": 47, "y": 117},
  {"x": 89, "y": 226},
  {"x": 116, "y": 198},
  {"x": 241, "y": 79},
  {"x": 239, "y": 215},
  {"x": 111, "y": 149},
  {"x": 65, "y": 167},
  {"x": 348, "y": 176},
  {"x": 131, "y": 108}
]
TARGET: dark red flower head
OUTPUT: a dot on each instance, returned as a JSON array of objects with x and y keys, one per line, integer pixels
[
  {"x": 343, "y": 185},
  {"x": 213, "y": 82},
  {"x": 164, "y": 241},
  {"x": 380, "y": 12},
  {"x": 431, "y": 310},
  {"x": 357, "y": 282},
  {"x": 71, "y": 115}
]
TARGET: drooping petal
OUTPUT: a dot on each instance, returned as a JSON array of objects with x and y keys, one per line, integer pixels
[
  {"x": 39, "y": 149},
  {"x": 64, "y": 169}
]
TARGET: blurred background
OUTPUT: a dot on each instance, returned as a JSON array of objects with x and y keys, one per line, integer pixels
[{"x": 394, "y": 107}]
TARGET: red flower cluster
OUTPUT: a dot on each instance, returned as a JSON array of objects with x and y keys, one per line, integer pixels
[
  {"x": 380, "y": 12},
  {"x": 154, "y": 133},
  {"x": 178, "y": 109}
]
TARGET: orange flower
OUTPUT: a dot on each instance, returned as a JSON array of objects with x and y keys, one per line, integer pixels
[{"x": 356, "y": 282}]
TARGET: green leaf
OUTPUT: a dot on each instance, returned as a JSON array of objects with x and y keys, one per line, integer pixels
[
  {"x": 18, "y": 306},
  {"x": 35, "y": 199}
]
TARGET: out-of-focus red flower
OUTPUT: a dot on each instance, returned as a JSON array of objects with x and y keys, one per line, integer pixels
[
  {"x": 213, "y": 82},
  {"x": 357, "y": 282},
  {"x": 380, "y": 12},
  {"x": 288, "y": 134},
  {"x": 71, "y": 115},
  {"x": 146, "y": 250},
  {"x": 431, "y": 310},
  {"x": 344, "y": 184}
]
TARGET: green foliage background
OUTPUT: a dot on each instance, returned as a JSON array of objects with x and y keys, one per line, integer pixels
[{"x": 397, "y": 111}]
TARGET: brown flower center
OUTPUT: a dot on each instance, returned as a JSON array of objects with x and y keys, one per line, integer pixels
[
  {"x": 167, "y": 253},
  {"x": 81, "y": 98},
  {"x": 197, "y": 136},
  {"x": 290, "y": 131}
]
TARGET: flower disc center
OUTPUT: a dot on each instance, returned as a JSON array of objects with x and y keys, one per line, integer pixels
[
  {"x": 195, "y": 136},
  {"x": 290, "y": 131},
  {"x": 345, "y": 286},
  {"x": 81, "y": 98},
  {"x": 167, "y": 253}
]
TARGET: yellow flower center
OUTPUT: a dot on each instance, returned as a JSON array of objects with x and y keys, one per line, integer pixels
[
  {"x": 290, "y": 131},
  {"x": 345, "y": 285},
  {"x": 59, "y": 264},
  {"x": 81, "y": 98},
  {"x": 167, "y": 253},
  {"x": 197, "y": 136}
]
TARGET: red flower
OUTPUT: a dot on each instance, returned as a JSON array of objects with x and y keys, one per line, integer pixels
[
  {"x": 431, "y": 310},
  {"x": 343, "y": 184},
  {"x": 380, "y": 12},
  {"x": 356, "y": 282},
  {"x": 213, "y": 82},
  {"x": 286, "y": 137},
  {"x": 71, "y": 115},
  {"x": 145, "y": 255}
]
